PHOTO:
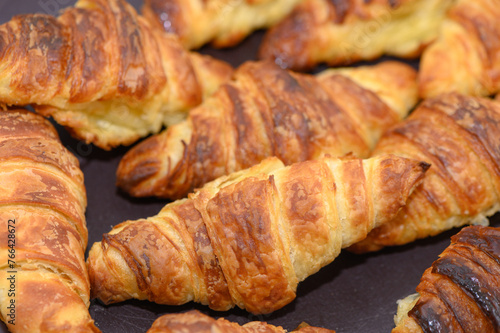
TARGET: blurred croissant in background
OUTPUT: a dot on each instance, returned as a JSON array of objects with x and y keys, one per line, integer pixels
[
  {"x": 196, "y": 322},
  {"x": 466, "y": 56},
  {"x": 343, "y": 32},
  {"x": 102, "y": 71},
  {"x": 222, "y": 23}
]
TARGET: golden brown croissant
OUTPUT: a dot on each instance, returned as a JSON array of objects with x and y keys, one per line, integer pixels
[
  {"x": 466, "y": 56},
  {"x": 460, "y": 291},
  {"x": 196, "y": 322},
  {"x": 101, "y": 70},
  {"x": 222, "y": 22},
  {"x": 247, "y": 239},
  {"x": 267, "y": 111},
  {"x": 460, "y": 136},
  {"x": 44, "y": 285},
  {"x": 343, "y": 32}
]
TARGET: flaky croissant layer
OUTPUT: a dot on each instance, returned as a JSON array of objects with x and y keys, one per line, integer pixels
[
  {"x": 268, "y": 111},
  {"x": 102, "y": 71},
  {"x": 44, "y": 285},
  {"x": 247, "y": 239}
]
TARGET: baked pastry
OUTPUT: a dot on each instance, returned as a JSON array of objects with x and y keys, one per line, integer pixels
[
  {"x": 459, "y": 292},
  {"x": 44, "y": 285},
  {"x": 247, "y": 239},
  {"x": 466, "y": 56},
  {"x": 267, "y": 111},
  {"x": 343, "y": 32},
  {"x": 196, "y": 322},
  {"x": 460, "y": 136},
  {"x": 224, "y": 23},
  {"x": 102, "y": 71}
]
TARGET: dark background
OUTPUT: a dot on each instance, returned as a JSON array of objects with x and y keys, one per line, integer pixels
[{"x": 354, "y": 294}]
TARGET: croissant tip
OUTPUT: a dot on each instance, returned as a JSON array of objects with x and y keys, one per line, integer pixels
[{"x": 425, "y": 166}]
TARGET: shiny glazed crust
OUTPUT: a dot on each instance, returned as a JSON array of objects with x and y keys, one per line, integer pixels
[
  {"x": 459, "y": 135},
  {"x": 101, "y": 71},
  {"x": 195, "y": 321},
  {"x": 343, "y": 32},
  {"x": 466, "y": 56},
  {"x": 42, "y": 214},
  {"x": 459, "y": 292},
  {"x": 247, "y": 239},
  {"x": 267, "y": 111},
  {"x": 224, "y": 23}
]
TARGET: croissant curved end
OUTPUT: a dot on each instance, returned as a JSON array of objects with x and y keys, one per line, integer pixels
[
  {"x": 138, "y": 165},
  {"x": 142, "y": 172},
  {"x": 104, "y": 284},
  {"x": 283, "y": 41}
]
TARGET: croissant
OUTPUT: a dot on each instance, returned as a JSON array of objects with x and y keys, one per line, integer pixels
[
  {"x": 459, "y": 293},
  {"x": 343, "y": 32},
  {"x": 196, "y": 322},
  {"x": 44, "y": 285},
  {"x": 466, "y": 56},
  {"x": 267, "y": 111},
  {"x": 102, "y": 71},
  {"x": 224, "y": 23},
  {"x": 460, "y": 136},
  {"x": 248, "y": 238}
]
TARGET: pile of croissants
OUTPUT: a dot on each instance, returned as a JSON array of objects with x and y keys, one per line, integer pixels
[{"x": 269, "y": 170}]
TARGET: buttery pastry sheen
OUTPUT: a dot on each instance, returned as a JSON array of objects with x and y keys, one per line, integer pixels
[
  {"x": 343, "y": 32},
  {"x": 460, "y": 136},
  {"x": 196, "y": 322},
  {"x": 249, "y": 238},
  {"x": 268, "y": 111},
  {"x": 459, "y": 292},
  {"x": 102, "y": 71},
  {"x": 44, "y": 285},
  {"x": 466, "y": 56},
  {"x": 224, "y": 23}
]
